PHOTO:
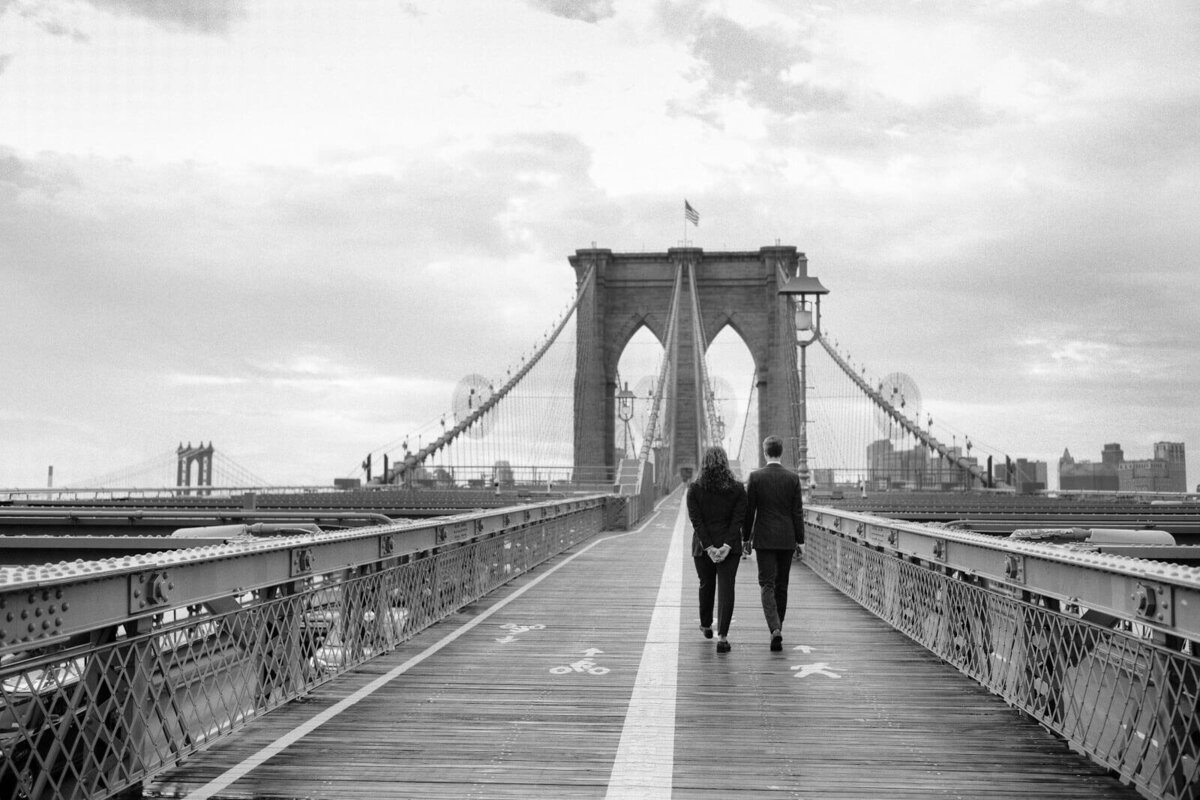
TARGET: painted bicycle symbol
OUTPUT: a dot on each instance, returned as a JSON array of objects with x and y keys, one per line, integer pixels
[{"x": 586, "y": 665}]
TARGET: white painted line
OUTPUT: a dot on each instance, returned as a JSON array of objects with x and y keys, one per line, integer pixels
[
  {"x": 239, "y": 771},
  {"x": 645, "y": 763}
]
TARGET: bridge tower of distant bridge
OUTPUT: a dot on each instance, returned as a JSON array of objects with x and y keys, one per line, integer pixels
[
  {"x": 201, "y": 456},
  {"x": 631, "y": 290}
]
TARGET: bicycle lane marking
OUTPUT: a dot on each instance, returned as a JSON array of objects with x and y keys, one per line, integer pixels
[
  {"x": 645, "y": 762},
  {"x": 245, "y": 767}
]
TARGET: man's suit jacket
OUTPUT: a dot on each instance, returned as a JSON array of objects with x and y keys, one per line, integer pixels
[{"x": 774, "y": 508}]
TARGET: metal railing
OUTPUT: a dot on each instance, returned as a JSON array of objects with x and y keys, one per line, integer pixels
[
  {"x": 113, "y": 670},
  {"x": 1101, "y": 649}
]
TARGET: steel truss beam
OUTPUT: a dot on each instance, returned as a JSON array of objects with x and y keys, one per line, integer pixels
[{"x": 48, "y": 603}]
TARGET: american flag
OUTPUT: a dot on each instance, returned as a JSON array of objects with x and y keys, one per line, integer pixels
[{"x": 690, "y": 214}]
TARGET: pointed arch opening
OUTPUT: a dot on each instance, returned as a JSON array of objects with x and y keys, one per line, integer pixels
[
  {"x": 637, "y": 369},
  {"x": 732, "y": 373}
]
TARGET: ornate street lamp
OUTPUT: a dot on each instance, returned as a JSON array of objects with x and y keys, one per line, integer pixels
[
  {"x": 807, "y": 323},
  {"x": 625, "y": 413}
]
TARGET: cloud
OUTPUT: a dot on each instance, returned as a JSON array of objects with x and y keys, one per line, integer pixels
[
  {"x": 153, "y": 303},
  {"x": 5, "y": 59},
  {"x": 761, "y": 65},
  {"x": 582, "y": 10},
  {"x": 198, "y": 16}
]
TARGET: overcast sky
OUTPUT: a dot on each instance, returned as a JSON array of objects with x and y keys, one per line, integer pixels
[{"x": 291, "y": 227}]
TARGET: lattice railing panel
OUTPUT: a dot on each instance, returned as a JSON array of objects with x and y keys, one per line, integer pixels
[
  {"x": 1126, "y": 700},
  {"x": 92, "y": 719}
]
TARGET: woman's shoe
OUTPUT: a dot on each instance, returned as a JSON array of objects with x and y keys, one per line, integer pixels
[
  {"x": 707, "y": 631},
  {"x": 723, "y": 646},
  {"x": 776, "y": 641}
]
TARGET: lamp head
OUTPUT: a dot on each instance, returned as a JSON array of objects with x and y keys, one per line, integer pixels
[{"x": 802, "y": 285}]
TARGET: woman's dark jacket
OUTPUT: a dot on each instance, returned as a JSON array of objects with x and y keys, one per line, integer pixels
[{"x": 717, "y": 517}]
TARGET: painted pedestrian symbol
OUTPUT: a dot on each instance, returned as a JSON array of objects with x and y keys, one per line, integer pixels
[
  {"x": 514, "y": 630},
  {"x": 819, "y": 668},
  {"x": 587, "y": 665}
]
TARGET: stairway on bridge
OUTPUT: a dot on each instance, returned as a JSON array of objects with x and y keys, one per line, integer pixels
[{"x": 589, "y": 678}]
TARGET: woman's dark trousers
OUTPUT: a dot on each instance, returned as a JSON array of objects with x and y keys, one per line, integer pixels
[{"x": 717, "y": 579}]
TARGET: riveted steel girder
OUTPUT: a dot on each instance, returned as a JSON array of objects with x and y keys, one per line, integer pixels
[
  {"x": 48, "y": 603},
  {"x": 1162, "y": 595}
]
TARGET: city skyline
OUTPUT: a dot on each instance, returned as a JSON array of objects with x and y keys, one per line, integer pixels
[{"x": 292, "y": 230}]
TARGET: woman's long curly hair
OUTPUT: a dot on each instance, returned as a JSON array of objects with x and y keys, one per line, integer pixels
[{"x": 715, "y": 475}]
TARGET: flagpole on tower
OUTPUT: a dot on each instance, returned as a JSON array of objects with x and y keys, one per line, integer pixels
[{"x": 689, "y": 215}]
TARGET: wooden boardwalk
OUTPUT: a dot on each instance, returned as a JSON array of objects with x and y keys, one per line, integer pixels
[{"x": 589, "y": 678}]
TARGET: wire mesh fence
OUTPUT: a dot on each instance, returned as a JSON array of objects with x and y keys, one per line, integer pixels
[
  {"x": 104, "y": 711},
  {"x": 1118, "y": 691}
]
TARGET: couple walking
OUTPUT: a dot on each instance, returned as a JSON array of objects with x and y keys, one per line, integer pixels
[{"x": 727, "y": 520}]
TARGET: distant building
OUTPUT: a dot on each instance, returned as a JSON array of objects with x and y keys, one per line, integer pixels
[
  {"x": 1173, "y": 453},
  {"x": 1030, "y": 476},
  {"x": 1112, "y": 455},
  {"x": 1085, "y": 475},
  {"x": 1165, "y": 472},
  {"x": 1027, "y": 476},
  {"x": 890, "y": 468}
]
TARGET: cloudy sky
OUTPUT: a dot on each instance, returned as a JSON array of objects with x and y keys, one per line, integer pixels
[{"x": 291, "y": 227}]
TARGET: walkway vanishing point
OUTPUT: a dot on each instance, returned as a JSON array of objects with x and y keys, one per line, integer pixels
[{"x": 588, "y": 678}]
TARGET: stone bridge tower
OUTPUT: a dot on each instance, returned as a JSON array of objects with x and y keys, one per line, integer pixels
[{"x": 630, "y": 290}]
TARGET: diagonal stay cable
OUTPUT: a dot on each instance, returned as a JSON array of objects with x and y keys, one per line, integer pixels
[
  {"x": 664, "y": 365},
  {"x": 449, "y": 436},
  {"x": 914, "y": 429}
]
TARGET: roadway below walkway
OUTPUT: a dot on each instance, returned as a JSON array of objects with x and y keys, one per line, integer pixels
[{"x": 589, "y": 678}]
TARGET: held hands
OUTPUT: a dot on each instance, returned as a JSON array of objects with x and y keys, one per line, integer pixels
[{"x": 717, "y": 554}]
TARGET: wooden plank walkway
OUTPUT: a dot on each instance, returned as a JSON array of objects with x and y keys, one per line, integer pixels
[{"x": 589, "y": 678}]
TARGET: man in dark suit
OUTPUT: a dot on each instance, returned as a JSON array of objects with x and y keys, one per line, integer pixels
[{"x": 775, "y": 527}]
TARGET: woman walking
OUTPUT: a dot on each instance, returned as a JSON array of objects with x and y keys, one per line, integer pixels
[{"x": 716, "y": 504}]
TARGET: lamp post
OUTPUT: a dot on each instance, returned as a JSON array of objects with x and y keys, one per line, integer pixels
[
  {"x": 807, "y": 323},
  {"x": 625, "y": 413}
]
